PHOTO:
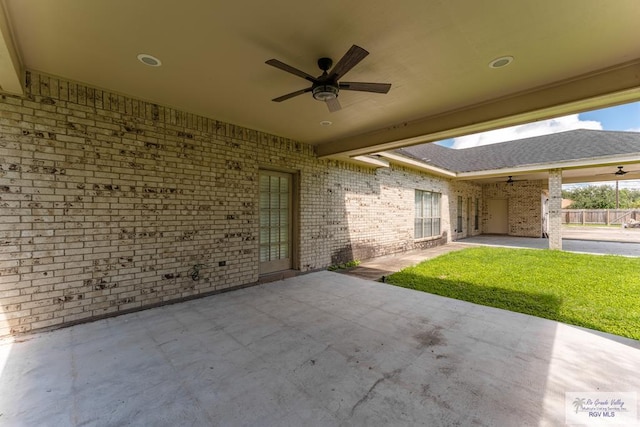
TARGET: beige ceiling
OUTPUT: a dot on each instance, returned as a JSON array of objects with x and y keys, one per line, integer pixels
[{"x": 570, "y": 55}]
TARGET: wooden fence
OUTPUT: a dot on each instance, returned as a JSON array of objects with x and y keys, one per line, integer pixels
[{"x": 599, "y": 216}]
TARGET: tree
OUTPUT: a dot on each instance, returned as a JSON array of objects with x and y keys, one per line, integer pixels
[
  {"x": 601, "y": 197},
  {"x": 591, "y": 197}
]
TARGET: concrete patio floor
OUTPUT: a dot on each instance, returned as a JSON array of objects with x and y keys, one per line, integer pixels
[{"x": 321, "y": 349}]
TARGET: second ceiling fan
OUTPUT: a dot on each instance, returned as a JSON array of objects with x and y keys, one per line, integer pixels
[
  {"x": 327, "y": 86},
  {"x": 620, "y": 172}
]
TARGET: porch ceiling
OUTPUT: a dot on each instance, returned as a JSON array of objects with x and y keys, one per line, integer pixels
[{"x": 570, "y": 56}]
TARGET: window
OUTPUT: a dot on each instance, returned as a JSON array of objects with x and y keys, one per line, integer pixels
[
  {"x": 459, "y": 228},
  {"x": 469, "y": 213},
  {"x": 427, "y": 220},
  {"x": 275, "y": 221},
  {"x": 477, "y": 215}
]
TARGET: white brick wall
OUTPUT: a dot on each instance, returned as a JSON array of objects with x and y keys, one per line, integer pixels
[{"x": 107, "y": 202}]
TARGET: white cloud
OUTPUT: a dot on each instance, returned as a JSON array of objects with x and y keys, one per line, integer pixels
[
  {"x": 633, "y": 130},
  {"x": 544, "y": 127}
]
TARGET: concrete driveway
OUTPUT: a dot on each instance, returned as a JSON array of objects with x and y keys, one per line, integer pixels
[
  {"x": 322, "y": 349},
  {"x": 608, "y": 241},
  {"x": 603, "y": 234}
]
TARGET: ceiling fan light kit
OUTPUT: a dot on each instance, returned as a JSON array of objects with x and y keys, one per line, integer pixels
[
  {"x": 326, "y": 86},
  {"x": 325, "y": 92}
]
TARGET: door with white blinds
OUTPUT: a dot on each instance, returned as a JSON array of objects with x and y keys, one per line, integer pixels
[{"x": 275, "y": 221}]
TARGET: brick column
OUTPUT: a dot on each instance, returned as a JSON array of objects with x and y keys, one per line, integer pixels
[{"x": 555, "y": 209}]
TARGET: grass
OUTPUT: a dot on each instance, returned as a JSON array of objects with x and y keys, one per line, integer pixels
[{"x": 597, "y": 292}]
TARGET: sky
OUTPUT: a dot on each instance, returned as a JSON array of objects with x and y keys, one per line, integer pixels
[{"x": 624, "y": 117}]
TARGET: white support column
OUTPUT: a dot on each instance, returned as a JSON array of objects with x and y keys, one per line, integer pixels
[{"x": 555, "y": 209}]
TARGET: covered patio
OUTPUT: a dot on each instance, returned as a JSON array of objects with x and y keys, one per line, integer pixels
[
  {"x": 201, "y": 149},
  {"x": 319, "y": 349},
  {"x": 147, "y": 159}
]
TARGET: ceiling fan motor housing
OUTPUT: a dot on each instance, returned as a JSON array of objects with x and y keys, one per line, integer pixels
[{"x": 325, "y": 64}]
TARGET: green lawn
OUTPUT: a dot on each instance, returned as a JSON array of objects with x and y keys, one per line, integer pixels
[{"x": 597, "y": 292}]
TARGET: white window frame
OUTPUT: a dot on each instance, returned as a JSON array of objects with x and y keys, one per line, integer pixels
[{"x": 427, "y": 215}]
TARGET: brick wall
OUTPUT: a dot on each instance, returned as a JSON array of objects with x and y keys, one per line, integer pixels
[
  {"x": 108, "y": 202},
  {"x": 524, "y": 206},
  {"x": 378, "y": 211}
]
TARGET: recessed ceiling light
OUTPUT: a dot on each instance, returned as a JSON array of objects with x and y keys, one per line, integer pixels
[
  {"x": 326, "y": 123},
  {"x": 149, "y": 60},
  {"x": 503, "y": 61}
]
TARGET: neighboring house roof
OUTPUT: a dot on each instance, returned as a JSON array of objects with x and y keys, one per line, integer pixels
[{"x": 572, "y": 145}]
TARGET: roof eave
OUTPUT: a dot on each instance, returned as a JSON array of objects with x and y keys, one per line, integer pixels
[
  {"x": 417, "y": 164},
  {"x": 519, "y": 170}
]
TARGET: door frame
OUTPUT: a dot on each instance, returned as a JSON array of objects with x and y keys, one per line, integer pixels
[{"x": 294, "y": 215}]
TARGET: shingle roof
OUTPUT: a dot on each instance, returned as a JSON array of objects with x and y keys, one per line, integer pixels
[{"x": 579, "y": 144}]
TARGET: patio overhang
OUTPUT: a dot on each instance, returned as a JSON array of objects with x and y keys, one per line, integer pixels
[
  {"x": 605, "y": 88},
  {"x": 438, "y": 56}
]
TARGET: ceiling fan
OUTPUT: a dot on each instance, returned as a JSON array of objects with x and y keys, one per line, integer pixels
[
  {"x": 510, "y": 181},
  {"x": 620, "y": 172},
  {"x": 326, "y": 87}
]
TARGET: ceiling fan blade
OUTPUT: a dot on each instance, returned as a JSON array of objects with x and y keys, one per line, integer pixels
[
  {"x": 350, "y": 59},
  {"x": 290, "y": 69},
  {"x": 366, "y": 87},
  {"x": 291, "y": 95},
  {"x": 333, "y": 105}
]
